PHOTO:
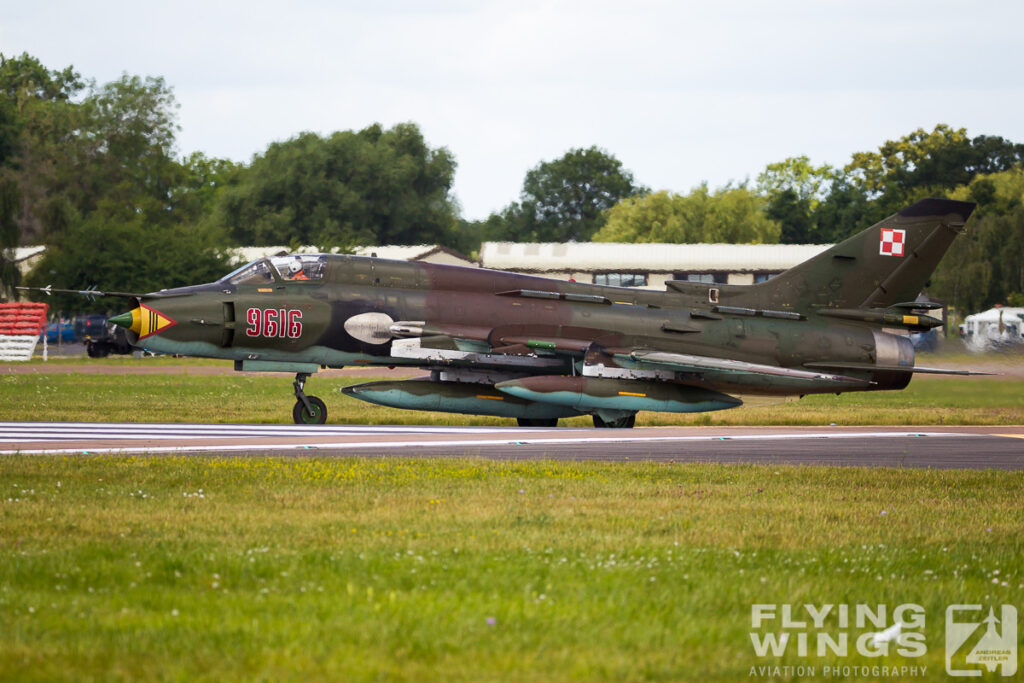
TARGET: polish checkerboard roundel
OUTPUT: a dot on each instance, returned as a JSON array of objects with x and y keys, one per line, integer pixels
[{"x": 892, "y": 243}]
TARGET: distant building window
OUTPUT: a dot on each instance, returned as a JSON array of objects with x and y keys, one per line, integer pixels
[
  {"x": 621, "y": 279},
  {"x": 716, "y": 277},
  {"x": 763, "y": 277}
]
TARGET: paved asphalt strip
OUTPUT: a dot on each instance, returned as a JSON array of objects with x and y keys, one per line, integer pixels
[{"x": 946, "y": 447}]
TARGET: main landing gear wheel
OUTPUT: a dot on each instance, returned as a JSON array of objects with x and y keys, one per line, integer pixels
[
  {"x": 537, "y": 421},
  {"x": 308, "y": 410},
  {"x": 316, "y": 414},
  {"x": 621, "y": 423}
]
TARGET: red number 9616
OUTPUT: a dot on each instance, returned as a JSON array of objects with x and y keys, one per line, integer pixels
[{"x": 274, "y": 322}]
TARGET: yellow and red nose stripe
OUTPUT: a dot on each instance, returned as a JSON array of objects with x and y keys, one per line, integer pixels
[{"x": 144, "y": 321}]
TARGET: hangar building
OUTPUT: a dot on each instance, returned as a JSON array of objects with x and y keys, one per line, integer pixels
[{"x": 647, "y": 265}]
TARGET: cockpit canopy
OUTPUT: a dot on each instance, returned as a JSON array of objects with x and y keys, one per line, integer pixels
[{"x": 293, "y": 267}]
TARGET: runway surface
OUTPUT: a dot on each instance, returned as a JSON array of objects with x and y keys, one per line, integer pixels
[{"x": 935, "y": 447}]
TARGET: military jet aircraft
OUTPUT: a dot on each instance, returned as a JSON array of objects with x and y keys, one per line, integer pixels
[{"x": 537, "y": 349}]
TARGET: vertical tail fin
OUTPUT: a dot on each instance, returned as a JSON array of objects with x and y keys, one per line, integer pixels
[{"x": 888, "y": 263}]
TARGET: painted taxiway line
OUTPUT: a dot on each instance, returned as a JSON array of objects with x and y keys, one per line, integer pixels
[
  {"x": 145, "y": 430},
  {"x": 610, "y": 439}
]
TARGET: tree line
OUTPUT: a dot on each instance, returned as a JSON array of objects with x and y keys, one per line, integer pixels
[{"x": 91, "y": 170}]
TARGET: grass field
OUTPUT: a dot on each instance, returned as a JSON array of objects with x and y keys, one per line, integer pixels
[
  {"x": 398, "y": 569},
  {"x": 253, "y": 398},
  {"x": 220, "y": 568}
]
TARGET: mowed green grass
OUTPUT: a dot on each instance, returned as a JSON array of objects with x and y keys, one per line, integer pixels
[
  {"x": 253, "y": 398},
  {"x": 222, "y": 568}
]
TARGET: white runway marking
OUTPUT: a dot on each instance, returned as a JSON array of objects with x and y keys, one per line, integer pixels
[
  {"x": 51, "y": 431},
  {"x": 167, "y": 438}
]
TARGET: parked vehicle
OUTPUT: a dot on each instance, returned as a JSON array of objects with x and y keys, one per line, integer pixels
[
  {"x": 62, "y": 332},
  {"x": 100, "y": 337}
]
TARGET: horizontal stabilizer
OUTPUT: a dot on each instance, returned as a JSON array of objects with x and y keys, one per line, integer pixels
[
  {"x": 943, "y": 371},
  {"x": 843, "y": 365}
]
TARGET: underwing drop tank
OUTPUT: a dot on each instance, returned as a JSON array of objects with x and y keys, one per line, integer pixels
[
  {"x": 590, "y": 394},
  {"x": 456, "y": 397}
]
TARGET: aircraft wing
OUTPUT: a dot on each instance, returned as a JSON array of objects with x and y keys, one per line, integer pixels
[
  {"x": 445, "y": 351},
  {"x": 681, "y": 362},
  {"x": 440, "y": 350}
]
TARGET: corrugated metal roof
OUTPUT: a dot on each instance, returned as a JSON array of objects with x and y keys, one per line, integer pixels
[
  {"x": 24, "y": 253},
  {"x": 248, "y": 254},
  {"x": 398, "y": 252},
  {"x": 587, "y": 256},
  {"x": 418, "y": 252}
]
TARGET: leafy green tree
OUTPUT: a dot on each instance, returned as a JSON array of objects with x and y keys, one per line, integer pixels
[
  {"x": 96, "y": 179},
  {"x": 656, "y": 217},
  {"x": 119, "y": 250},
  {"x": 561, "y": 200},
  {"x": 918, "y": 165},
  {"x": 202, "y": 180},
  {"x": 967, "y": 278},
  {"x": 994, "y": 193},
  {"x": 10, "y": 127},
  {"x": 117, "y": 144},
  {"x": 9, "y": 274},
  {"x": 39, "y": 128},
  {"x": 469, "y": 235},
  {"x": 565, "y": 199},
  {"x": 793, "y": 215},
  {"x": 846, "y": 210},
  {"x": 930, "y": 162},
  {"x": 373, "y": 186},
  {"x": 128, "y": 155},
  {"x": 806, "y": 182},
  {"x": 986, "y": 266},
  {"x": 794, "y": 189},
  {"x": 729, "y": 215}
]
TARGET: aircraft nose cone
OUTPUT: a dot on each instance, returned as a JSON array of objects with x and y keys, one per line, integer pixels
[{"x": 124, "y": 320}]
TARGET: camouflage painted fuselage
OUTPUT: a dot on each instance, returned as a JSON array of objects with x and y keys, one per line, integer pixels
[{"x": 494, "y": 337}]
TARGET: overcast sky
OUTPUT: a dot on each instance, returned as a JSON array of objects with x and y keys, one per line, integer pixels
[{"x": 680, "y": 92}]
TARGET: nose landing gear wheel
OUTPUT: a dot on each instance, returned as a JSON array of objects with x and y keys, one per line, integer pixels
[
  {"x": 308, "y": 410},
  {"x": 303, "y": 416}
]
